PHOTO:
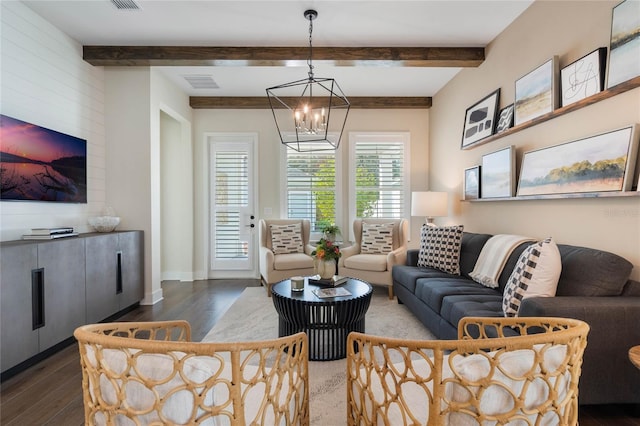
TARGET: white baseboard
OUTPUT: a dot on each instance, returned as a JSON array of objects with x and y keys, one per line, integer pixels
[{"x": 153, "y": 298}]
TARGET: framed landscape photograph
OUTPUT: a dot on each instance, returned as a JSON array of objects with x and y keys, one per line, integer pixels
[
  {"x": 480, "y": 119},
  {"x": 624, "y": 47},
  {"x": 471, "y": 184},
  {"x": 505, "y": 119},
  {"x": 537, "y": 92},
  {"x": 584, "y": 77},
  {"x": 497, "y": 177},
  {"x": 600, "y": 163}
]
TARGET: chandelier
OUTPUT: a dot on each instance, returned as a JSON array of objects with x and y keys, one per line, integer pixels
[{"x": 310, "y": 114}]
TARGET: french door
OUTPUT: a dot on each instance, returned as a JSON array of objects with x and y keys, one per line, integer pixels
[{"x": 232, "y": 195}]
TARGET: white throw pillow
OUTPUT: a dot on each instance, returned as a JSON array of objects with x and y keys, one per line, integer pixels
[
  {"x": 286, "y": 238},
  {"x": 377, "y": 238},
  {"x": 536, "y": 274},
  {"x": 440, "y": 248}
]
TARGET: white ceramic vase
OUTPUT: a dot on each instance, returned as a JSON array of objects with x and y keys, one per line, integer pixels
[{"x": 325, "y": 268}]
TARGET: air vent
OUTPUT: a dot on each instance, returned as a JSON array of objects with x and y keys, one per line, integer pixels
[
  {"x": 201, "y": 81},
  {"x": 126, "y": 4}
]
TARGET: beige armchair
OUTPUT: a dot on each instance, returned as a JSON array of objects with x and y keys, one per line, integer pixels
[
  {"x": 372, "y": 262},
  {"x": 293, "y": 259}
]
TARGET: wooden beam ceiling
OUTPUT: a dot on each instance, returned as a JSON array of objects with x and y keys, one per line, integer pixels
[
  {"x": 227, "y": 102},
  {"x": 287, "y": 56},
  {"x": 282, "y": 56}
]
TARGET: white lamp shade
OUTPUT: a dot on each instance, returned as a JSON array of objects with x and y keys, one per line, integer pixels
[{"x": 429, "y": 204}]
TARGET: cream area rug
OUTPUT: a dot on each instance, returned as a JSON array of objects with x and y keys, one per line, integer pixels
[{"x": 253, "y": 317}]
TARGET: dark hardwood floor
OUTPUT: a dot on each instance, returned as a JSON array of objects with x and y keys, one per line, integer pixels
[{"x": 49, "y": 393}]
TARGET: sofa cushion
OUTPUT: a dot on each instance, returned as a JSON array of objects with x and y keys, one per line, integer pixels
[
  {"x": 286, "y": 238},
  {"x": 377, "y": 238},
  {"x": 407, "y": 276},
  {"x": 535, "y": 275},
  {"x": 440, "y": 248},
  {"x": 367, "y": 262},
  {"x": 591, "y": 272},
  {"x": 285, "y": 262},
  {"x": 470, "y": 249},
  {"x": 432, "y": 291},
  {"x": 456, "y": 307}
]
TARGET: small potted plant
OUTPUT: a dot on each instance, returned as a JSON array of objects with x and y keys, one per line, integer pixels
[{"x": 330, "y": 232}]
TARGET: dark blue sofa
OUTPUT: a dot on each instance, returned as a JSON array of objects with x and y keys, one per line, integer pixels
[{"x": 593, "y": 287}]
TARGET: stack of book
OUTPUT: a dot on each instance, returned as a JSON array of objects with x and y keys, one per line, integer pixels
[
  {"x": 331, "y": 282},
  {"x": 49, "y": 233}
]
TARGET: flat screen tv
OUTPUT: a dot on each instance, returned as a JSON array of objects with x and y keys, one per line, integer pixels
[{"x": 39, "y": 164}]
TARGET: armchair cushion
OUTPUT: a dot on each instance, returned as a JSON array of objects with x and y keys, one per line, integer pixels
[
  {"x": 286, "y": 238},
  {"x": 377, "y": 238},
  {"x": 368, "y": 262},
  {"x": 440, "y": 248}
]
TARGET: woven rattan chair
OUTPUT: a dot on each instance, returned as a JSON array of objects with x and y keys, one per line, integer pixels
[
  {"x": 528, "y": 379},
  {"x": 150, "y": 373}
]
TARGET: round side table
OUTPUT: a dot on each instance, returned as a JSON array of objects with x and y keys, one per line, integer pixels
[{"x": 634, "y": 355}]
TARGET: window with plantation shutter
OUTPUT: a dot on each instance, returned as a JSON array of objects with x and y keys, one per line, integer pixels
[
  {"x": 311, "y": 187},
  {"x": 379, "y": 175}
]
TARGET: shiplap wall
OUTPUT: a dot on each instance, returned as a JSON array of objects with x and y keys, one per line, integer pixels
[{"x": 44, "y": 81}]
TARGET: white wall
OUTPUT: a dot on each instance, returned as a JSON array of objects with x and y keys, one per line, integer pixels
[
  {"x": 44, "y": 81},
  {"x": 261, "y": 121},
  {"x": 570, "y": 30}
]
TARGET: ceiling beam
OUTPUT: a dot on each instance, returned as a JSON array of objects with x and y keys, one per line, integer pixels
[
  {"x": 282, "y": 56},
  {"x": 262, "y": 102}
]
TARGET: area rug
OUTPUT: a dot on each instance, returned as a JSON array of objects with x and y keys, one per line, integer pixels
[{"x": 253, "y": 317}]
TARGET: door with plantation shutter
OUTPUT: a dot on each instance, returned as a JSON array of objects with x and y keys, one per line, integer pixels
[{"x": 232, "y": 218}]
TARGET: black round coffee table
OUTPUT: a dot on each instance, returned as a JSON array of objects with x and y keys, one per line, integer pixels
[{"x": 327, "y": 321}]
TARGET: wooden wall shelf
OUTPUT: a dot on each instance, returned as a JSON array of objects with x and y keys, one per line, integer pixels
[
  {"x": 562, "y": 196},
  {"x": 605, "y": 94}
]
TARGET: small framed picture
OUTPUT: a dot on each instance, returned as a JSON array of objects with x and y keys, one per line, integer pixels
[
  {"x": 505, "y": 119},
  {"x": 498, "y": 173},
  {"x": 624, "y": 47},
  {"x": 471, "y": 185},
  {"x": 584, "y": 77},
  {"x": 537, "y": 92},
  {"x": 480, "y": 119}
]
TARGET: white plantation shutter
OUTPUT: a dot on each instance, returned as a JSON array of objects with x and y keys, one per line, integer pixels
[
  {"x": 311, "y": 186},
  {"x": 379, "y": 175},
  {"x": 231, "y": 194}
]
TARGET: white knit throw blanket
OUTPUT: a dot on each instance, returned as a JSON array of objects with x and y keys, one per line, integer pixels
[{"x": 493, "y": 257}]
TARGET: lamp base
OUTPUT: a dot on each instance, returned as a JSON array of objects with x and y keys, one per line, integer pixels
[{"x": 429, "y": 222}]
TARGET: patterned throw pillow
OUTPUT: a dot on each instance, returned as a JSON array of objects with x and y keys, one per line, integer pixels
[
  {"x": 377, "y": 238},
  {"x": 536, "y": 274},
  {"x": 440, "y": 248},
  {"x": 286, "y": 238}
]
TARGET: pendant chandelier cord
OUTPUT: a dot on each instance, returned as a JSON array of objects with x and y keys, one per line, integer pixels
[{"x": 310, "y": 47}]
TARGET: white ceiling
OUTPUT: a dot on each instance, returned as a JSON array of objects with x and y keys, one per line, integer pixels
[{"x": 431, "y": 23}]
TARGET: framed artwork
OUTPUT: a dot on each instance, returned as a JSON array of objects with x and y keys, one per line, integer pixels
[
  {"x": 471, "y": 183},
  {"x": 480, "y": 119},
  {"x": 584, "y": 77},
  {"x": 537, "y": 92},
  {"x": 41, "y": 164},
  {"x": 505, "y": 119},
  {"x": 498, "y": 173},
  {"x": 600, "y": 163},
  {"x": 624, "y": 47}
]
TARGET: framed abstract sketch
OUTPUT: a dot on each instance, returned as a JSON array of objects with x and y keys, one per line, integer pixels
[
  {"x": 537, "y": 92},
  {"x": 624, "y": 48},
  {"x": 471, "y": 184},
  {"x": 497, "y": 177},
  {"x": 600, "y": 163},
  {"x": 480, "y": 119},
  {"x": 584, "y": 77},
  {"x": 505, "y": 119}
]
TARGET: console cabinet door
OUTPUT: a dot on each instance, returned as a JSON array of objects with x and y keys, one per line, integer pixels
[
  {"x": 18, "y": 339},
  {"x": 102, "y": 281},
  {"x": 64, "y": 289},
  {"x": 131, "y": 252}
]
